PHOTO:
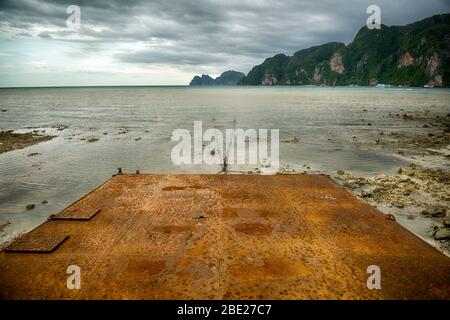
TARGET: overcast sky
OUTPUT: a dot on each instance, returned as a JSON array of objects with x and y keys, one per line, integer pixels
[{"x": 139, "y": 42}]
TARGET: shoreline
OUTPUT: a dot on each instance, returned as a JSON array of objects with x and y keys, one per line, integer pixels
[{"x": 387, "y": 88}]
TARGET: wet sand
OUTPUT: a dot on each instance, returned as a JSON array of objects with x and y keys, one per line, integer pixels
[{"x": 428, "y": 143}]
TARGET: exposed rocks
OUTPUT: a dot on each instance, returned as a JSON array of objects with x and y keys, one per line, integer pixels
[
  {"x": 431, "y": 71},
  {"x": 432, "y": 119},
  {"x": 351, "y": 182},
  {"x": 407, "y": 117},
  {"x": 317, "y": 75},
  {"x": 437, "y": 211},
  {"x": 12, "y": 141},
  {"x": 433, "y": 141},
  {"x": 269, "y": 80},
  {"x": 290, "y": 140},
  {"x": 91, "y": 140},
  {"x": 405, "y": 60},
  {"x": 59, "y": 127},
  {"x": 390, "y": 217},
  {"x": 3, "y": 225},
  {"x": 398, "y": 204},
  {"x": 446, "y": 220},
  {"x": 30, "y": 206},
  {"x": 33, "y": 154},
  {"x": 442, "y": 234},
  {"x": 284, "y": 169},
  {"x": 336, "y": 63}
]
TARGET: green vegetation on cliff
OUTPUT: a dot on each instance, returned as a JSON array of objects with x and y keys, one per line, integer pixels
[{"x": 415, "y": 55}]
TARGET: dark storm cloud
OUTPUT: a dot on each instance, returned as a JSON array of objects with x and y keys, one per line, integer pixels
[
  {"x": 233, "y": 32},
  {"x": 172, "y": 56}
]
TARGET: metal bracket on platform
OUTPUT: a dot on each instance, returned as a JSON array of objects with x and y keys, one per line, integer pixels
[
  {"x": 75, "y": 215},
  {"x": 34, "y": 242}
]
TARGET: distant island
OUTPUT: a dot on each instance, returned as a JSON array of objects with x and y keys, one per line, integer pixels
[{"x": 228, "y": 78}]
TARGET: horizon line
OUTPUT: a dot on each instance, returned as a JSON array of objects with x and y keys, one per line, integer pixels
[{"x": 96, "y": 86}]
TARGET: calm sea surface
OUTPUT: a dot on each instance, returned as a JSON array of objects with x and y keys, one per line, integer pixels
[{"x": 134, "y": 126}]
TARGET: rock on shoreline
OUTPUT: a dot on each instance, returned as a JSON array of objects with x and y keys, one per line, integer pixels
[{"x": 10, "y": 141}]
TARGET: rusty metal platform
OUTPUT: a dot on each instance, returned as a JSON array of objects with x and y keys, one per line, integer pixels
[{"x": 224, "y": 237}]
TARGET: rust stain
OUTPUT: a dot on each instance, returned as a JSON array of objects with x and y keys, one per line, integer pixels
[
  {"x": 172, "y": 229},
  {"x": 230, "y": 213},
  {"x": 271, "y": 268},
  {"x": 183, "y": 263},
  {"x": 174, "y": 188},
  {"x": 198, "y": 249},
  {"x": 243, "y": 195},
  {"x": 146, "y": 267},
  {"x": 253, "y": 228},
  {"x": 184, "y": 275},
  {"x": 317, "y": 217}
]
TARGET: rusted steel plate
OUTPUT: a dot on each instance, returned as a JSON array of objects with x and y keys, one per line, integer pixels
[
  {"x": 75, "y": 215},
  {"x": 37, "y": 242},
  {"x": 228, "y": 237}
]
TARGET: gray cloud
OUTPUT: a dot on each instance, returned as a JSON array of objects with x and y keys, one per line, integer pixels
[
  {"x": 228, "y": 34},
  {"x": 172, "y": 56}
]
